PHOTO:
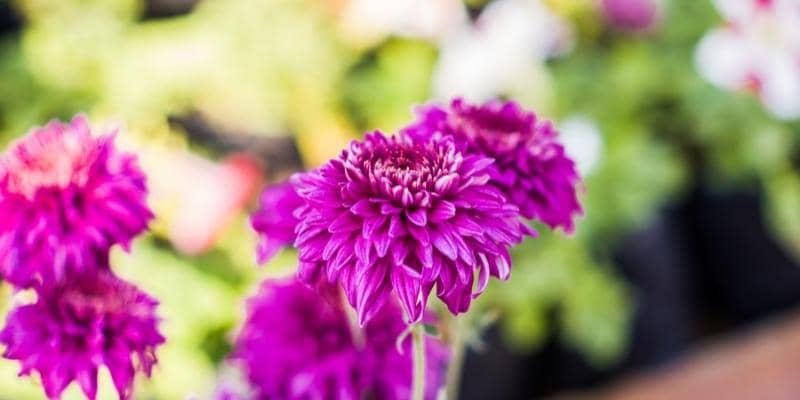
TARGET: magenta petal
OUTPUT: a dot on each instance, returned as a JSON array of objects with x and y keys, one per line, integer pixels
[
  {"x": 363, "y": 208},
  {"x": 333, "y": 246},
  {"x": 483, "y": 275},
  {"x": 122, "y": 376},
  {"x": 445, "y": 183},
  {"x": 372, "y": 282},
  {"x": 443, "y": 211},
  {"x": 275, "y": 221},
  {"x": 396, "y": 228},
  {"x": 87, "y": 379},
  {"x": 418, "y": 217},
  {"x": 407, "y": 285},
  {"x": 372, "y": 224},
  {"x": 419, "y": 233},
  {"x": 444, "y": 244},
  {"x": 344, "y": 223},
  {"x": 362, "y": 249},
  {"x": 382, "y": 244}
]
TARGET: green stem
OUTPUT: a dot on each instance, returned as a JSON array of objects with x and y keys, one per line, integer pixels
[
  {"x": 458, "y": 347},
  {"x": 418, "y": 386}
]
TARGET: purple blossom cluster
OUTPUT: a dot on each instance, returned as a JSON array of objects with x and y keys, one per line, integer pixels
[
  {"x": 435, "y": 207},
  {"x": 298, "y": 343},
  {"x": 66, "y": 198},
  {"x": 391, "y": 215},
  {"x": 394, "y": 219}
]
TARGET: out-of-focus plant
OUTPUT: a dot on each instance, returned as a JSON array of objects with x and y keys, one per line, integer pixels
[
  {"x": 379, "y": 89},
  {"x": 558, "y": 287}
]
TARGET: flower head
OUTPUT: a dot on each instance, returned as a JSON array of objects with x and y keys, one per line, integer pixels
[
  {"x": 65, "y": 198},
  {"x": 757, "y": 49},
  {"x": 80, "y": 325},
  {"x": 275, "y": 221},
  {"x": 295, "y": 344},
  {"x": 394, "y": 217},
  {"x": 531, "y": 167}
]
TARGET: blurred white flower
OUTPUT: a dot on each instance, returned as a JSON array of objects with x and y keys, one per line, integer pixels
[
  {"x": 583, "y": 142},
  {"x": 510, "y": 39},
  {"x": 428, "y": 19},
  {"x": 232, "y": 383},
  {"x": 757, "y": 49}
]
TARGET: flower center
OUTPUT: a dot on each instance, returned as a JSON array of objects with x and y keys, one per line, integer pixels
[
  {"x": 398, "y": 169},
  {"x": 48, "y": 159}
]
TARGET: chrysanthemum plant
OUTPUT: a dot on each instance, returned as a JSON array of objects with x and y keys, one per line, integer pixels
[
  {"x": 67, "y": 197},
  {"x": 432, "y": 209}
]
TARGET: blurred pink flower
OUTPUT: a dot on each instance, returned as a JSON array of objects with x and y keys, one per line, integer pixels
[
  {"x": 632, "y": 15},
  {"x": 205, "y": 196}
]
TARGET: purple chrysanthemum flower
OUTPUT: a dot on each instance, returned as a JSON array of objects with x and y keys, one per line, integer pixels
[
  {"x": 392, "y": 216},
  {"x": 298, "y": 344},
  {"x": 79, "y": 325},
  {"x": 530, "y": 168},
  {"x": 275, "y": 221},
  {"x": 65, "y": 198}
]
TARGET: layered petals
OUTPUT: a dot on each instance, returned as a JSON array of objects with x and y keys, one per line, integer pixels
[
  {"x": 298, "y": 343},
  {"x": 66, "y": 197},
  {"x": 275, "y": 221},
  {"x": 530, "y": 166},
  {"x": 392, "y": 218},
  {"x": 81, "y": 325}
]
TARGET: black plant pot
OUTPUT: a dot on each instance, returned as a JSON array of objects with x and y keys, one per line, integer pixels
[
  {"x": 10, "y": 22},
  {"x": 704, "y": 267}
]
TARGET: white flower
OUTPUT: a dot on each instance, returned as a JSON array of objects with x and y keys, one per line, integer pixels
[
  {"x": 509, "y": 40},
  {"x": 428, "y": 19},
  {"x": 583, "y": 142},
  {"x": 757, "y": 49}
]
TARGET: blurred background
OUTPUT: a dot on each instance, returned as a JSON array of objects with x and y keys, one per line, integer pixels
[{"x": 681, "y": 281}]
